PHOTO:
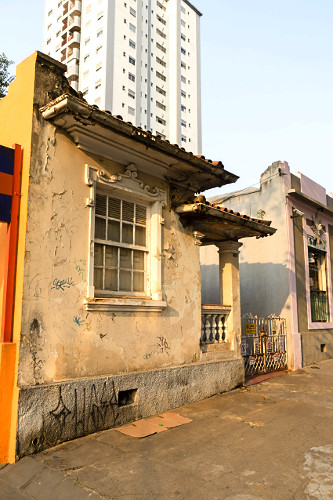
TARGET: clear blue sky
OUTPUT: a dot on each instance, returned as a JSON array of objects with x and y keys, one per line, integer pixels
[{"x": 267, "y": 80}]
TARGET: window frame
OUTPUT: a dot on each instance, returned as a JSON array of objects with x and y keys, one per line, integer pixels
[{"x": 127, "y": 186}]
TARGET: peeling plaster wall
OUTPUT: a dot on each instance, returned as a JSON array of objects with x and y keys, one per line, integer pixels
[{"x": 61, "y": 340}]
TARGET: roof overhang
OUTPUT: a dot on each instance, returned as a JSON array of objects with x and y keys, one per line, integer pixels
[
  {"x": 99, "y": 133},
  {"x": 297, "y": 195},
  {"x": 218, "y": 225}
]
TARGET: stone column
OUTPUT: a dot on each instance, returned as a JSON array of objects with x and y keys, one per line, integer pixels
[{"x": 230, "y": 289}]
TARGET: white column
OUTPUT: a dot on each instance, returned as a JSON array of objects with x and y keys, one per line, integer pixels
[{"x": 230, "y": 288}]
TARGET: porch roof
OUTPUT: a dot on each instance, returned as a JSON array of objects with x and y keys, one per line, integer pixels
[{"x": 218, "y": 224}]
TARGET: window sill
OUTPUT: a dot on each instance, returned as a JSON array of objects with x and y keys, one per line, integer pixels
[{"x": 125, "y": 305}]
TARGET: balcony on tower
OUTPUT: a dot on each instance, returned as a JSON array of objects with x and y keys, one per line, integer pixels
[
  {"x": 74, "y": 23},
  {"x": 75, "y": 8},
  {"x": 74, "y": 39}
]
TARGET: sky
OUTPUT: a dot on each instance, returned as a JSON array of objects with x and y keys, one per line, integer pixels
[{"x": 267, "y": 81}]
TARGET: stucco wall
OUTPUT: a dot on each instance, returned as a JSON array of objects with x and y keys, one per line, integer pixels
[
  {"x": 264, "y": 262},
  {"x": 61, "y": 340}
]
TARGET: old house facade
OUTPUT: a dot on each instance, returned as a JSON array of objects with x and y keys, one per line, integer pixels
[
  {"x": 294, "y": 267},
  {"x": 107, "y": 314}
]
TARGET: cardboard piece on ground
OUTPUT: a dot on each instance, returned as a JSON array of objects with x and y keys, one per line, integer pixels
[{"x": 147, "y": 427}]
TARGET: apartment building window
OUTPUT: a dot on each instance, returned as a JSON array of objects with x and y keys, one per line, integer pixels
[
  {"x": 85, "y": 74},
  {"x": 184, "y": 138},
  {"x": 183, "y": 23},
  {"x": 132, "y": 12},
  {"x": 131, "y": 94},
  {"x": 161, "y": 20},
  {"x": 183, "y": 79},
  {"x": 98, "y": 50},
  {"x": 160, "y": 105},
  {"x": 162, "y": 77},
  {"x": 50, "y": 12},
  {"x": 131, "y": 77},
  {"x": 98, "y": 84},
  {"x": 120, "y": 250},
  {"x": 161, "y": 62},
  {"x": 160, "y": 120},
  {"x": 100, "y": 16},
  {"x": 183, "y": 123},
  {"x": 59, "y": 5},
  {"x": 85, "y": 59},
  {"x": 183, "y": 94},
  {"x": 87, "y": 40},
  {"x": 183, "y": 51},
  {"x": 160, "y": 91},
  {"x": 48, "y": 41},
  {"x": 58, "y": 34},
  {"x": 99, "y": 33},
  {"x": 88, "y": 9},
  {"x": 183, "y": 37},
  {"x": 160, "y": 47},
  {"x": 132, "y": 27},
  {"x": 183, "y": 108},
  {"x": 159, "y": 32},
  {"x": 161, "y": 136},
  {"x": 98, "y": 66},
  {"x": 131, "y": 60},
  {"x": 183, "y": 65},
  {"x": 85, "y": 92},
  {"x": 131, "y": 111},
  {"x": 131, "y": 44},
  {"x": 49, "y": 27},
  {"x": 161, "y": 6},
  {"x": 183, "y": 10}
]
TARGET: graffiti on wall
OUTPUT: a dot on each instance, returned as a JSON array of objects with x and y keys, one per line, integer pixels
[{"x": 85, "y": 409}]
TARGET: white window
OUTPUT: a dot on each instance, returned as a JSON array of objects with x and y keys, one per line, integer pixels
[
  {"x": 98, "y": 84},
  {"x": 131, "y": 94},
  {"x": 132, "y": 27},
  {"x": 98, "y": 50},
  {"x": 131, "y": 44},
  {"x": 183, "y": 23},
  {"x": 183, "y": 51},
  {"x": 86, "y": 58},
  {"x": 126, "y": 234},
  {"x": 87, "y": 40},
  {"x": 131, "y": 111},
  {"x": 183, "y": 108},
  {"x": 131, "y": 60},
  {"x": 183, "y": 79},
  {"x": 131, "y": 77},
  {"x": 100, "y": 16},
  {"x": 50, "y": 12},
  {"x": 99, "y": 33},
  {"x": 133, "y": 12}
]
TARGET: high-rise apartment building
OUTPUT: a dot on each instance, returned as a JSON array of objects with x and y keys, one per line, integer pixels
[{"x": 137, "y": 58}]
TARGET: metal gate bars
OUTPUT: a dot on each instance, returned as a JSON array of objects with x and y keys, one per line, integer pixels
[{"x": 264, "y": 344}]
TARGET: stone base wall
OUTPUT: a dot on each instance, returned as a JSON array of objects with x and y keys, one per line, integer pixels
[
  {"x": 317, "y": 346},
  {"x": 53, "y": 413}
]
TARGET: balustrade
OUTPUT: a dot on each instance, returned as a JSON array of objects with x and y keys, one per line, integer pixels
[{"x": 213, "y": 330}]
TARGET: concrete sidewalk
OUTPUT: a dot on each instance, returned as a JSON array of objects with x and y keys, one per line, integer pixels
[{"x": 273, "y": 440}]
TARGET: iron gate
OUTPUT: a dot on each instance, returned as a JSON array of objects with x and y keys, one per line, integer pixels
[{"x": 264, "y": 344}]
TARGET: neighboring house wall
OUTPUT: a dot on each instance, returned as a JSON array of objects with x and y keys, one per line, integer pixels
[{"x": 274, "y": 274}]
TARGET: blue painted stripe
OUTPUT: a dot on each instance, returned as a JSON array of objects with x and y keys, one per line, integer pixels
[
  {"x": 7, "y": 160},
  {"x": 5, "y": 208}
]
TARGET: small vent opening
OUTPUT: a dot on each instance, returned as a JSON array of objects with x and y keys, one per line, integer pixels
[{"x": 126, "y": 398}]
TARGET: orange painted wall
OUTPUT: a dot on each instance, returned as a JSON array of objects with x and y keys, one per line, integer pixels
[{"x": 16, "y": 114}]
